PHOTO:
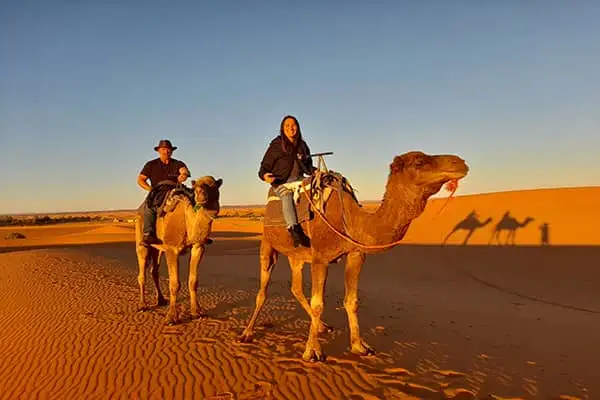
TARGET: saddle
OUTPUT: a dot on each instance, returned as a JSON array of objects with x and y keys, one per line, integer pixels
[
  {"x": 165, "y": 197},
  {"x": 318, "y": 187}
]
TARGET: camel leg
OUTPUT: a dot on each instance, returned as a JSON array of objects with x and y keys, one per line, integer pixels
[
  {"x": 297, "y": 265},
  {"x": 354, "y": 265},
  {"x": 468, "y": 237},
  {"x": 318, "y": 272},
  {"x": 155, "y": 262},
  {"x": 195, "y": 260},
  {"x": 448, "y": 235},
  {"x": 173, "y": 264},
  {"x": 268, "y": 258},
  {"x": 142, "y": 257}
]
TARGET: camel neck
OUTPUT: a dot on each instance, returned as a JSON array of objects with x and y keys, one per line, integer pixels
[{"x": 400, "y": 206}]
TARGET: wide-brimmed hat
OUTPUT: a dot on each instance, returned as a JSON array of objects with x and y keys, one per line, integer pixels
[{"x": 165, "y": 143}]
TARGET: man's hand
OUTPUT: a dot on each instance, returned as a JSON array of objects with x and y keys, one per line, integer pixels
[
  {"x": 268, "y": 177},
  {"x": 142, "y": 182}
]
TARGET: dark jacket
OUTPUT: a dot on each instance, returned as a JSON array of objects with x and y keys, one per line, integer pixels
[{"x": 279, "y": 161}]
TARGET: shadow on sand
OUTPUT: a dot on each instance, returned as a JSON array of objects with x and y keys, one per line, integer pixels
[{"x": 472, "y": 222}]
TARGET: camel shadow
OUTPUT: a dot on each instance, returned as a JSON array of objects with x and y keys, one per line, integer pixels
[
  {"x": 470, "y": 223},
  {"x": 511, "y": 225}
]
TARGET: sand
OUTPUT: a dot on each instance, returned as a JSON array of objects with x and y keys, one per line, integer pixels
[{"x": 461, "y": 322}]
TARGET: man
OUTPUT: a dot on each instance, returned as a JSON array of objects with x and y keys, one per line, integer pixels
[{"x": 164, "y": 173}]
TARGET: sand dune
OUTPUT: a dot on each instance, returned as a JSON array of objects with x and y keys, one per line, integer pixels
[
  {"x": 454, "y": 322},
  {"x": 572, "y": 215}
]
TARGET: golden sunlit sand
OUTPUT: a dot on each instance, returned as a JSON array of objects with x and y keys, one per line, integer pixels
[{"x": 459, "y": 322}]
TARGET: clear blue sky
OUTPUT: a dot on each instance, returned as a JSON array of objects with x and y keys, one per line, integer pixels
[{"x": 87, "y": 89}]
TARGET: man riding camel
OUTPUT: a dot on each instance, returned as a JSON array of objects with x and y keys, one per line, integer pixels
[{"x": 164, "y": 173}]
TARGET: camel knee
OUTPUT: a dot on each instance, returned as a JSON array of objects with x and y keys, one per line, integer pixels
[
  {"x": 351, "y": 306},
  {"x": 174, "y": 287},
  {"x": 317, "y": 308},
  {"x": 193, "y": 284}
]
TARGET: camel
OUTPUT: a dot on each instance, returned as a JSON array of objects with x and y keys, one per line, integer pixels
[
  {"x": 470, "y": 224},
  {"x": 342, "y": 227},
  {"x": 184, "y": 226},
  {"x": 511, "y": 225}
]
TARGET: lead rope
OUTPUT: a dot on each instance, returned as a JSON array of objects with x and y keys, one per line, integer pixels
[{"x": 451, "y": 186}]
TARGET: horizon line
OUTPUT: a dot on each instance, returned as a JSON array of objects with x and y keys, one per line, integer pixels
[{"x": 233, "y": 206}]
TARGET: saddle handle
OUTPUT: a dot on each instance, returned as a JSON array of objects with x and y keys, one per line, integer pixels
[
  {"x": 321, "y": 161},
  {"x": 327, "y": 153}
]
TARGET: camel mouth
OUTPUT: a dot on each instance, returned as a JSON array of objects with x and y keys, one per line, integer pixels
[{"x": 456, "y": 174}]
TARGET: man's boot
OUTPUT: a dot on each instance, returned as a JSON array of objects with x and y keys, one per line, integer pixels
[
  {"x": 150, "y": 238},
  {"x": 300, "y": 239}
]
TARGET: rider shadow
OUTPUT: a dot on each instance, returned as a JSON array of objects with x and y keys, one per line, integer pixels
[
  {"x": 510, "y": 224},
  {"x": 470, "y": 223},
  {"x": 545, "y": 234}
]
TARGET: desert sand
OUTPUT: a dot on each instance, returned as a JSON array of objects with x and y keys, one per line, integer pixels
[{"x": 475, "y": 321}]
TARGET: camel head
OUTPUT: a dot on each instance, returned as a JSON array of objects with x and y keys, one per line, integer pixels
[
  {"x": 527, "y": 221},
  {"x": 427, "y": 172},
  {"x": 206, "y": 193}
]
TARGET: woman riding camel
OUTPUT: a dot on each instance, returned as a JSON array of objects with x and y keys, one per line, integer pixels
[{"x": 286, "y": 160}]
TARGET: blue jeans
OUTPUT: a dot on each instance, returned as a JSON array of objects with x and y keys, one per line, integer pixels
[
  {"x": 287, "y": 203},
  {"x": 149, "y": 220}
]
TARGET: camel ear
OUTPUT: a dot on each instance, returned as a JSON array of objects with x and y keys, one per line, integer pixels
[
  {"x": 397, "y": 165},
  {"x": 193, "y": 183},
  {"x": 219, "y": 182}
]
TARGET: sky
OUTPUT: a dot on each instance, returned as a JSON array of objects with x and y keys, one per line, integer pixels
[{"x": 88, "y": 88}]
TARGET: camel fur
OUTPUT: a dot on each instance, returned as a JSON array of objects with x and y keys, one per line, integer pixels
[
  {"x": 183, "y": 226},
  {"x": 413, "y": 178}
]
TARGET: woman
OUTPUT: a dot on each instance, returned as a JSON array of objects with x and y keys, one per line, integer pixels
[{"x": 286, "y": 160}]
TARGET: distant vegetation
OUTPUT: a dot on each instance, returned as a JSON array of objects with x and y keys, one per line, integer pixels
[
  {"x": 128, "y": 216},
  {"x": 46, "y": 219}
]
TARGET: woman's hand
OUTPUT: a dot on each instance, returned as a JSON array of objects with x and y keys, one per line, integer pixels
[{"x": 268, "y": 177}]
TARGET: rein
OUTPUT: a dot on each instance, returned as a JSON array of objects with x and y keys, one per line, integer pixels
[
  {"x": 451, "y": 186},
  {"x": 344, "y": 235}
]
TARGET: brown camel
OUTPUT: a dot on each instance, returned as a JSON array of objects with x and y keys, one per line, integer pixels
[
  {"x": 511, "y": 225},
  {"x": 470, "y": 224},
  {"x": 413, "y": 178},
  {"x": 184, "y": 225}
]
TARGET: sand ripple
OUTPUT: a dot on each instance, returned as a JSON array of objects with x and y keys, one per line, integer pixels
[{"x": 70, "y": 330}]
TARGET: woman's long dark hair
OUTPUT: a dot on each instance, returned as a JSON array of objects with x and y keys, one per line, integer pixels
[{"x": 285, "y": 142}]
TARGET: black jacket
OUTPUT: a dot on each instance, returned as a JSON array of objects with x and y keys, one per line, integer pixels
[{"x": 280, "y": 162}]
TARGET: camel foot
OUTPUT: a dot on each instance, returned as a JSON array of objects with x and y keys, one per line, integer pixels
[
  {"x": 143, "y": 308},
  {"x": 198, "y": 315},
  {"x": 361, "y": 348},
  {"x": 172, "y": 318},
  {"x": 161, "y": 301},
  {"x": 246, "y": 337},
  {"x": 313, "y": 353},
  {"x": 324, "y": 328}
]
